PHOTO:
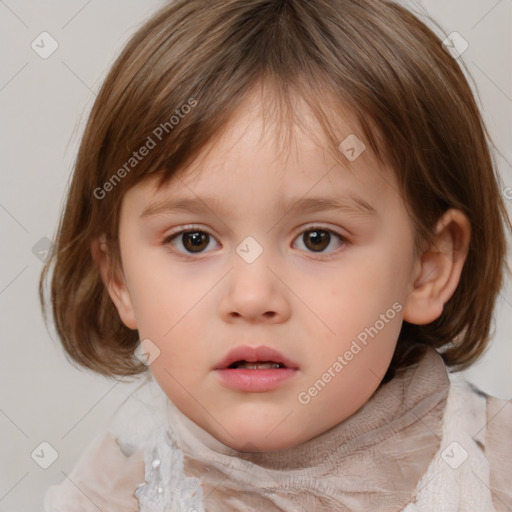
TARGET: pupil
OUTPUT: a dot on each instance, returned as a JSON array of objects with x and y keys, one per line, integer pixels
[
  {"x": 197, "y": 239},
  {"x": 320, "y": 239}
]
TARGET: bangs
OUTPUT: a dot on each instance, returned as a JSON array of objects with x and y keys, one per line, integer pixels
[{"x": 284, "y": 108}]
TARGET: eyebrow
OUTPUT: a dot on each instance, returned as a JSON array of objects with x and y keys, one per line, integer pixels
[{"x": 349, "y": 204}]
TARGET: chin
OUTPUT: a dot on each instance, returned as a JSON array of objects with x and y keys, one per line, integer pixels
[{"x": 255, "y": 438}]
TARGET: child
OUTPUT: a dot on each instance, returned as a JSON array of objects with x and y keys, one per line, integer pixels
[{"x": 297, "y": 295}]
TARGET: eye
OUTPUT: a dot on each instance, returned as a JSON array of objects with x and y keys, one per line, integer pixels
[
  {"x": 317, "y": 239},
  {"x": 196, "y": 241},
  {"x": 189, "y": 241}
]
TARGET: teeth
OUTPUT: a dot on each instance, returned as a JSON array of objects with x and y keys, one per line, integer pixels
[{"x": 258, "y": 366}]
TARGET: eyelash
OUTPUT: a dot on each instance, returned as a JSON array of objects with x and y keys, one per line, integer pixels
[{"x": 196, "y": 229}]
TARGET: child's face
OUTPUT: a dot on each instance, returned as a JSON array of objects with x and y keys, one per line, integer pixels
[{"x": 332, "y": 307}]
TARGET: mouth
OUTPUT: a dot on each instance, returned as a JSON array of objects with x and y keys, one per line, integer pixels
[
  {"x": 255, "y": 370},
  {"x": 263, "y": 365},
  {"x": 255, "y": 358}
]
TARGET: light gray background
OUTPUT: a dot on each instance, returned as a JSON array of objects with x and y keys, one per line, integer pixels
[{"x": 44, "y": 104}]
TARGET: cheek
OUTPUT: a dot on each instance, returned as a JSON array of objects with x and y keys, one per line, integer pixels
[
  {"x": 363, "y": 289},
  {"x": 363, "y": 309},
  {"x": 167, "y": 305},
  {"x": 159, "y": 295}
]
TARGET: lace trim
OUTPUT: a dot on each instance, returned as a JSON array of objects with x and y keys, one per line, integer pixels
[{"x": 167, "y": 488}]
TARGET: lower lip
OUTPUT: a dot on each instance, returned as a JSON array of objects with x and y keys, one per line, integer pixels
[{"x": 256, "y": 381}]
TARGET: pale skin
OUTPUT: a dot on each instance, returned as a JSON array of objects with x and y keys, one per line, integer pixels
[{"x": 307, "y": 301}]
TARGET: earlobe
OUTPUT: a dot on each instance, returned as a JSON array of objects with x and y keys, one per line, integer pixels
[
  {"x": 438, "y": 269},
  {"x": 114, "y": 281}
]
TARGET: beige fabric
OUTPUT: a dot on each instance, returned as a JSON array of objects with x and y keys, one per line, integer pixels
[
  {"x": 374, "y": 459},
  {"x": 457, "y": 480},
  {"x": 499, "y": 451},
  {"x": 104, "y": 478}
]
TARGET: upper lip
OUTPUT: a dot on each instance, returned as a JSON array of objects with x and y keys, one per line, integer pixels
[{"x": 253, "y": 354}]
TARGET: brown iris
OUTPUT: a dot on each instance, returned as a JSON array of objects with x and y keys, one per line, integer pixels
[
  {"x": 316, "y": 240},
  {"x": 195, "y": 241}
]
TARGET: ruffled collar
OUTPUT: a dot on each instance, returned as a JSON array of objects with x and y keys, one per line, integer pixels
[{"x": 372, "y": 460}]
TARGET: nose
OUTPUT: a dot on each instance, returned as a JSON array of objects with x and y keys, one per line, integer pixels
[{"x": 254, "y": 292}]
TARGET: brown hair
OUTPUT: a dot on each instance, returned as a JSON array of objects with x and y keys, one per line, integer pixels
[{"x": 414, "y": 110}]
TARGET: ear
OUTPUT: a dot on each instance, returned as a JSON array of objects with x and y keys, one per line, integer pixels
[
  {"x": 438, "y": 269},
  {"x": 114, "y": 281}
]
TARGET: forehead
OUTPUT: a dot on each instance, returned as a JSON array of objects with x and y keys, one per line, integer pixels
[
  {"x": 284, "y": 126},
  {"x": 275, "y": 158}
]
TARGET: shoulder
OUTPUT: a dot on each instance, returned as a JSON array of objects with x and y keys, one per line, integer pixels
[
  {"x": 473, "y": 468},
  {"x": 113, "y": 464},
  {"x": 104, "y": 478},
  {"x": 498, "y": 447},
  {"x": 487, "y": 422},
  {"x": 493, "y": 418}
]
